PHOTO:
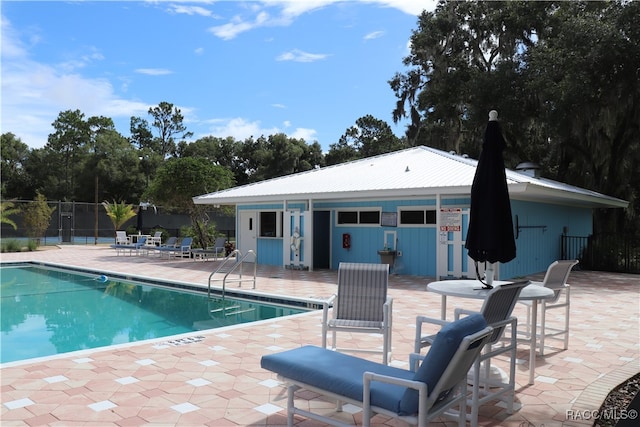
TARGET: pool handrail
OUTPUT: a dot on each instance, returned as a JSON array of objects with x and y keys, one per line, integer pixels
[{"x": 239, "y": 259}]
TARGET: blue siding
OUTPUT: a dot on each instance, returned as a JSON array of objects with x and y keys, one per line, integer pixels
[
  {"x": 537, "y": 247},
  {"x": 418, "y": 244},
  {"x": 269, "y": 251}
]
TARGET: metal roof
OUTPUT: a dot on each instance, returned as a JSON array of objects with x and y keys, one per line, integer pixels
[{"x": 413, "y": 172}]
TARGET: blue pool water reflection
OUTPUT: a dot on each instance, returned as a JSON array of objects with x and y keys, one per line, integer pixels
[{"x": 47, "y": 311}]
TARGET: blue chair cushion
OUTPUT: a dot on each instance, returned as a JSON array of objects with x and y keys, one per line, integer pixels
[
  {"x": 437, "y": 359},
  {"x": 337, "y": 373}
]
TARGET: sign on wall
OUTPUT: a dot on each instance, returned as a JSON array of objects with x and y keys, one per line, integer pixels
[{"x": 450, "y": 219}]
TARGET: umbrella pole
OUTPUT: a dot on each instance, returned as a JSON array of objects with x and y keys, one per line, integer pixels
[{"x": 489, "y": 274}]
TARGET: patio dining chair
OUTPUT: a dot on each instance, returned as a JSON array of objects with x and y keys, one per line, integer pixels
[
  {"x": 496, "y": 309},
  {"x": 555, "y": 278},
  {"x": 361, "y": 305}
]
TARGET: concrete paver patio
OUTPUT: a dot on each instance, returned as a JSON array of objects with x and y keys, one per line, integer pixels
[{"x": 217, "y": 380}]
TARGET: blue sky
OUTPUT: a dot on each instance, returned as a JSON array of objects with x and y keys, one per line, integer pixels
[{"x": 308, "y": 69}]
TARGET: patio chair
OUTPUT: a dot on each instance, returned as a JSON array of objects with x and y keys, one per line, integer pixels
[
  {"x": 216, "y": 250},
  {"x": 555, "y": 278},
  {"x": 168, "y": 247},
  {"x": 496, "y": 309},
  {"x": 183, "y": 248},
  {"x": 361, "y": 305},
  {"x": 218, "y": 246},
  {"x": 156, "y": 239},
  {"x": 139, "y": 247},
  {"x": 122, "y": 238},
  {"x": 417, "y": 396}
]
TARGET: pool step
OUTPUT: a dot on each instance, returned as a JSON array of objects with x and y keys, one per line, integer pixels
[
  {"x": 246, "y": 310},
  {"x": 218, "y": 310}
]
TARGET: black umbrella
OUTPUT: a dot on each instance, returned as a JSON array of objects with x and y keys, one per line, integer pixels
[
  {"x": 140, "y": 219},
  {"x": 490, "y": 236}
]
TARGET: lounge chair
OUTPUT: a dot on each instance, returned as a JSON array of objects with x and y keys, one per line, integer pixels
[
  {"x": 217, "y": 250},
  {"x": 435, "y": 389},
  {"x": 496, "y": 309},
  {"x": 555, "y": 278},
  {"x": 361, "y": 305},
  {"x": 139, "y": 247},
  {"x": 183, "y": 248},
  {"x": 168, "y": 247},
  {"x": 156, "y": 239}
]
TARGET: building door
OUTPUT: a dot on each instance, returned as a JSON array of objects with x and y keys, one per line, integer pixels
[
  {"x": 248, "y": 232},
  {"x": 453, "y": 258},
  {"x": 321, "y": 240}
]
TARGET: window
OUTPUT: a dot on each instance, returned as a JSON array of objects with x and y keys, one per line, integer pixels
[
  {"x": 370, "y": 217},
  {"x": 411, "y": 217},
  {"x": 417, "y": 217},
  {"x": 347, "y": 217},
  {"x": 358, "y": 217},
  {"x": 269, "y": 224}
]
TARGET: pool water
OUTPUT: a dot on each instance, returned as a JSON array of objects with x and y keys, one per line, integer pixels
[{"x": 47, "y": 311}]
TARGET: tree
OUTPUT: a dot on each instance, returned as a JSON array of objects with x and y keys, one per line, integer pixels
[
  {"x": 563, "y": 76},
  {"x": 6, "y": 210},
  {"x": 369, "y": 137},
  {"x": 37, "y": 217},
  {"x": 14, "y": 179},
  {"x": 178, "y": 180},
  {"x": 67, "y": 145},
  {"x": 168, "y": 121},
  {"x": 118, "y": 213}
]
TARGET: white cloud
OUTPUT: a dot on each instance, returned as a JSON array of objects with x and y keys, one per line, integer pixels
[
  {"x": 241, "y": 129},
  {"x": 284, "y": 13},
  {"x": 374, "y": 35},
  {"x": 411, "y": 7},
  {"x": 309, "y": 135},
  {"x": 33, "y": 94},
  {"x": 190, "y": 10},
  {"x": 298, "y": 55},
  {"x": 154, "y": 71}
]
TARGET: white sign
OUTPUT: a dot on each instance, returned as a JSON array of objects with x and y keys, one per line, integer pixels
[{"x": 450, "y": 219}]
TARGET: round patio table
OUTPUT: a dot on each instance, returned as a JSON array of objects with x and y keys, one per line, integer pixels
[{"x": 473, "y": 289}]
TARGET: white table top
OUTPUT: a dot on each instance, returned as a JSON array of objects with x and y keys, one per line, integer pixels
[{"x": 473, "y": 289}]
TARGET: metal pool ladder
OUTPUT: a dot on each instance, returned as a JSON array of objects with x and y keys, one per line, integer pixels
[{"x": 238, "y": 266}]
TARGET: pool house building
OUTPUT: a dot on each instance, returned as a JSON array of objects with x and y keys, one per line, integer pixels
[{"x": 409, "y": 208}]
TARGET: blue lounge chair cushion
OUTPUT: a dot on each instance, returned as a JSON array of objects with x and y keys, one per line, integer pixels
[
  {"x": 337, "y": 373},
  {"x": 437, "y": 359},
  {"x": 341, "y": 374}
]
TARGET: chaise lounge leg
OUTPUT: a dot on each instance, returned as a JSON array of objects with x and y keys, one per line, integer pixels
[{"x": 291, "y": 389}]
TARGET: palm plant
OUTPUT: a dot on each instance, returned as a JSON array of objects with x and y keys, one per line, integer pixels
[
  {"x": 119, "y": 213},
  {"x": 6, "y": 210}
]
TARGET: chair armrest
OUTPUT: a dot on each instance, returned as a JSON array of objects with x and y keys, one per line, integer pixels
[
  {"x": 414, "y": 361},
  {"x": 369, "y": 377},
  {"x": 425, "y": 319},
  {"x": 325, "y": 317},
  {"x": 420, "y": 320},
  {"x": 458, "y": 311}
]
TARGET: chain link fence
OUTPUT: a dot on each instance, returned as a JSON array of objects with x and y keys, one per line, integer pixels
[{"x": 81, "y": 223}]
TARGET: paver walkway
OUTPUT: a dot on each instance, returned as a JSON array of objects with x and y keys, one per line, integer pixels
[{"x": 216, "y": 380}]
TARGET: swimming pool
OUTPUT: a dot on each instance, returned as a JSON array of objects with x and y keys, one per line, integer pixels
[{"x": 47, "y": 311}]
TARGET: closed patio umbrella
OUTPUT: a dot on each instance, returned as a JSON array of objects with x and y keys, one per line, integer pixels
[
  {"x": 490, "y": 236},
  {"x": 140, "y": 220}
]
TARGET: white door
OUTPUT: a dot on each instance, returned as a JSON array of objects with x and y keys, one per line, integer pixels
[
  {"x": 247, "y": 235},
  {"x": 453, "y": 259}
]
